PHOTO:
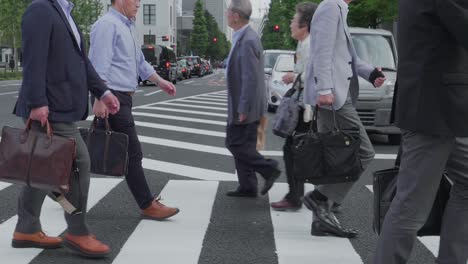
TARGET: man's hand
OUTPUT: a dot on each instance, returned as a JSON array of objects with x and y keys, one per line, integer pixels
[
  {"x": 167, "y": 87},
  {"x": 377, "y": 77},
  {"x": 40, "y": 114},
  {"x": 111, "y": 102},
  {"x": 100, "y": 109},
  {"x": 289, "y": 78},
  {"x": 326, "y": 99},
  {"x": 242, "y": 117},
  {"x": 379, "y": 81}
]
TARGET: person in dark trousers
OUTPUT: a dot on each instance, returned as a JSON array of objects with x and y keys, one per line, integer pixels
[
  {"x": 57, "y": 78},
  {"x": 300, "y": 31},
  {"x": 120, "y": 62},
  {"x": 12, "y": 64},
  {"x": 431, "y": 109},
  {"x": 246, "y": 103},
  {"x": 331, "y": 74}
]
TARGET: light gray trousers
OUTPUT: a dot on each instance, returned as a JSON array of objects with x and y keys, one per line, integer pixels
[
  {"x": 423, "y": 161},
  {"x": 31, "y": 199},
  {"x": 347, "y": 117}
]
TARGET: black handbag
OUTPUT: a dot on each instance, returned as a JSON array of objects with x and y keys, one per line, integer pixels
[
  {"x": 287, "y": 114},
  {"x": 385, "y": 185},
  {"x": 327, "y": 157},
  {"x": 107, "y": 149}
]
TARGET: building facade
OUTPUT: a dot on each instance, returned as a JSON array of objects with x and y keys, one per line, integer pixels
[{"x": 156, "y": 22}]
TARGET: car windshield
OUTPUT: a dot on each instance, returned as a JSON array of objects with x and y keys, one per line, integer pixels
[
  {"x": 285, "y": 64},
  {"x": 270, "y": 59},
  {"x": 376, "y": 50}
]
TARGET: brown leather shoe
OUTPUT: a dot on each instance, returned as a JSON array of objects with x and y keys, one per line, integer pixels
[
  {"x": 158, "y": 211},
  {"x": 87, "y": 246},
  {"x": 36, "y": 240},
  {"x": 285, "y": 205}
]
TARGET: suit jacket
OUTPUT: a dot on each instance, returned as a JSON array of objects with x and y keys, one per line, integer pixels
[
  {"x": 57, "y": 72},
  {"x": 245, "y": 79},
  {"x": 333, "y": 60},
  {"x": 432, "y": 93}
]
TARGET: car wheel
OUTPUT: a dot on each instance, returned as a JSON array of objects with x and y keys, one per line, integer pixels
[
  {"x": 271, "y": 108},
  {"x": 394, "y": 139},
  {"x": 145, "y": 82}
]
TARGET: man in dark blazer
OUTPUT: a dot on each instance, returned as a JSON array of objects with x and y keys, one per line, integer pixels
[
  {"x": 246, "y": 103},
  {"x": 57, "y": 77},
  {"x": 432, "y": 111}
]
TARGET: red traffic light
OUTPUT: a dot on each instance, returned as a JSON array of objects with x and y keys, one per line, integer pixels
[
  {"x": 276, "y": 28},
  {"x": 165, "y": 38},
  {"x": 215, "y": 39}
]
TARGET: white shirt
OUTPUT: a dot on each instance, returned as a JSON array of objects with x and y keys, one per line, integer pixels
[{"x": 67, "y": 8}]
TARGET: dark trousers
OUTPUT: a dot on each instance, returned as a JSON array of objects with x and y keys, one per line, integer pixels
[
  {"x": 123, "y": 122},
  {"x": 241, "y": 140},
  {"x": 295, "y": 182}
]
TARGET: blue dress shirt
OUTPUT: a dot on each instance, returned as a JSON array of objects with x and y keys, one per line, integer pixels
[
  {"x": 115, "y": 54},
  {"x": 67, "y": 8}
]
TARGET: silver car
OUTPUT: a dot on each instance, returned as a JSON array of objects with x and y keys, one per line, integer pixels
[{"x": 374, "y": 105}]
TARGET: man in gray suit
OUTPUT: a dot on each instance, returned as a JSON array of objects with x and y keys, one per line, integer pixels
[
  {"x": 246, "y": 103},
  {"x": 432, "y": 111},
  {"x": 333, "y": 64}
]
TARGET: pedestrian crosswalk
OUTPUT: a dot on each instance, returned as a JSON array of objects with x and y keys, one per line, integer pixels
[{"x": 185, "y": 161}]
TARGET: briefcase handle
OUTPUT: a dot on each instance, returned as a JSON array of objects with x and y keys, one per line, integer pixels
[
  {"x": 94, "y": 125},
  {"x": 313, "y": 125}
]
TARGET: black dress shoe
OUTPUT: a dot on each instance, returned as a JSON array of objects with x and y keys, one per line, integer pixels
[
  {"x": 270, "y": 180},
  {"x": 239, "y": 193},
  {"x": 320, "y": 228},
  {"x": 336, "y": 208},
  {"x": 320, "y": 208}
]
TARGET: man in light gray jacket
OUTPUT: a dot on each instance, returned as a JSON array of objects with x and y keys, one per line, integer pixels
[
  {"x": 333, "y": 64},
  {"x": 246, "y": 103}
]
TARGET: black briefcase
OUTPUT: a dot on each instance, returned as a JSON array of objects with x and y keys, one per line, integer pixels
[
  {"x": 385, "y": 185},
  {"x": 327, "y": 157},
  {"x": 107, "y": 149}
]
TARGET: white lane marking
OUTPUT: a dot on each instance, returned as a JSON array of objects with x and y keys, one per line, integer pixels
[
  {"x": 195, "y": 106},
  {"x": 188, "y": 171},
  {"x": 184, "y": 145},
  {"x": 209, "y": 99},
  {"x": 215, "y": 96},
  {"x": 294, "y": 244},
  {"x": 385, "y": 156},
  {"x": 430, "y": 242},
  {"x": 182, "y": 111},
  {"x": 9, "y": 93},
  {"x": 182, "y": 129},
  {"x": 189, "y": 82},
  {"x": 139, "y": 91},
  {"x": 201, "y": 102},
  {"x": 175, "y": 99},
  {"x": 180, "y": 118},
  {"x": 185, "y": 230},
  {"x": 4, "y": 185},
  {"x": 12, "y": 84},
  {"x": 52, "y": 220},
  {"x": 155, "y": 92}
]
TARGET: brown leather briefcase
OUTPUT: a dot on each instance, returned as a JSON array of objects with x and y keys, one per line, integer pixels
[{"x": 36, "y": 159}]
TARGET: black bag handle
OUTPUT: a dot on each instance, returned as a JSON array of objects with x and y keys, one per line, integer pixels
[
  {"x": 313, "y": 125},
  {"x": 298, "y": 80},
  {"x": 93, "y": 125}
]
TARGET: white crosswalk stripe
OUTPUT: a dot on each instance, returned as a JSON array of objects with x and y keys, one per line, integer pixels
[{"x": 181, "y": 240}]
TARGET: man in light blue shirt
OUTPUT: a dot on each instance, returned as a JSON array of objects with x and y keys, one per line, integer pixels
[{"x": 119, "y": 61}]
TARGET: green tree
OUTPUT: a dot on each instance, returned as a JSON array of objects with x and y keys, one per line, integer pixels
[
  {"x": 11, "y": 12},
  {"x": 216, "y": 50},
  {"x": 85, "y": 13},
  {"x": 199, "y": 38},
  {"x": 363, "y": 13}
]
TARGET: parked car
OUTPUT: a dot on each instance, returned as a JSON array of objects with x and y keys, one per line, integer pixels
[
  {"x": 185, "y": 68},
  {"x": 270, "y": 57},
  {"x": 163, "y": 60},
  {"x": 275, "y": 86},
  {"x": 197, "y": 70},
  {"x": 374, "y": 105}
]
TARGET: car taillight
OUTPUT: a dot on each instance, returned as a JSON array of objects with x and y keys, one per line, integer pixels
[
  {"x": 168, "y": 65},
  {"x": 184, "y": 70}
]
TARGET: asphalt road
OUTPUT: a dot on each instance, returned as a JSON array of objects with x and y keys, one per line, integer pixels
[{"x": 185, "y": 160}]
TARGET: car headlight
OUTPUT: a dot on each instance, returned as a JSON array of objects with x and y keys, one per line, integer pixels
[{"x": 389, "y": 89}]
